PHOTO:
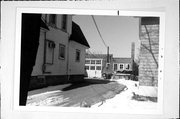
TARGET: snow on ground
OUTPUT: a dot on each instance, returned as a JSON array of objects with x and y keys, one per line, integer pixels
[
  {"x": 74, "y": 95},
  {"x": 124, "y": 99},
  {"x": 55, "y": 96}
]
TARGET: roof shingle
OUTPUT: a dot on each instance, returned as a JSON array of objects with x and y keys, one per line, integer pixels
[{"x": 77, "y": 35}]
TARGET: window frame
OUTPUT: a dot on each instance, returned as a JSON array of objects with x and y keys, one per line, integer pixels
[
  {"x": 127, "y": 65},
  {"x": 64, "y": 22},
  {"x": 54, "y": 23},
  {"x": 94, "y": 61},
  {"x": 87, "y": 60},
  {"x": 87, "y": 68},
  {"x": 76, "y": 56},
  {"x": 92, "y": 66},
  {"x": 98, "y": 63},
  {"x": 99, "y": 69},
  {"x": 52, "y": 48},
  {"x": 122, "y": 66},
  {"x": 116, "y": 66},
  {"x": 59, "y": 55}
]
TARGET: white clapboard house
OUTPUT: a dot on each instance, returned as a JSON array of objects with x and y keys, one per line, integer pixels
[{"x": 61, "y": 53}]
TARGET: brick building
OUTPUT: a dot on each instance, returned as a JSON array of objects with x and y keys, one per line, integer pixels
[{"x": 149, "y": 53}]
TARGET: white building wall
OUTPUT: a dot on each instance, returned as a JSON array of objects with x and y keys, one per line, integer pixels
[
  {"x": 76, "y": 67},
  {"x": 58, "y": 36},
  {"x": 59, "y": 66},
  {"x": 94, "y": 73},
  {"x": 37, "y": 69}
]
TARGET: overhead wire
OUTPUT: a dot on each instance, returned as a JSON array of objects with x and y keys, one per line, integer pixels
[{"x": 99, "y": 31}]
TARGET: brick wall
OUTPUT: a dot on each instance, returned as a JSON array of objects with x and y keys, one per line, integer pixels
[{"x": 149, "y": 51}]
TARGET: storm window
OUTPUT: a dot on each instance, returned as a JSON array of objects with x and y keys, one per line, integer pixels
[
  {"x": 92, "y": 68},
  {"x": 61, "y": 51},
  {"x": 98, "y": 61},
  {"x": 87, "y": 61},
  {"x": 92, "y": 61},
  {"x": 64, "y": 22},
  {"x": 78, "y": 55},
  {"x": 127, "y": 66},
  {"x": 52, "y": 19},
  {"x": 87, "y": 67},
  {"x": 121, "y": 66},
  {"x": 98, "y": 67},
  {"x": 50, "y": 45},
  {"x": 115, "y": 67}
]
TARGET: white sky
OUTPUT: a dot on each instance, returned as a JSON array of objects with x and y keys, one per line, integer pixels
[{"x": 118, "y": 33}]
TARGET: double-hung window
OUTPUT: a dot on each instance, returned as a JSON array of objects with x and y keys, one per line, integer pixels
[
  {"x": 98, "y": 67},
  {"x": 93, "y": 61},
  {"x": 127, "y": 66},
  {"x": 98, "y": 61},
  {"x": 64, "y": 22},
  {"x": 87, "y": 61},
  {"x": 115, "y": 67},
  {"x": 52, "y": 19},
  {"x": 121, "y": 66},
  {"x": 78, "y": 54},
  {"x": 87, "y": 67},
  {"x": 62, "y": 51}
]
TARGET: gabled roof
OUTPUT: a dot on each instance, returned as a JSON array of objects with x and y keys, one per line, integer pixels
[
  {"x": 43, "y": 25},
  {"x": 122, "y": 60},
  {"x": 77, "y": 35}
]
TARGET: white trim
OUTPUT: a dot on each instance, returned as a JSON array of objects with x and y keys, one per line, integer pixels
[
  {"x": 120, "y": 66},
  {"x": 116, "y": 67}
]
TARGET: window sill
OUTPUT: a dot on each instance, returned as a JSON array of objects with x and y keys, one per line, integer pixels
[{"x": 60, "y": 58}]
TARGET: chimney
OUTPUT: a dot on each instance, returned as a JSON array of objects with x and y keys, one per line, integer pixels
[
  {"x": 132, "y": 50},
  {"x": 132, "y": 55},
  {"x": 107, "y": 54}
]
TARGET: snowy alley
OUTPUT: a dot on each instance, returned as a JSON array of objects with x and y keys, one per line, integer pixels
[{"x": 91, "y": 93}]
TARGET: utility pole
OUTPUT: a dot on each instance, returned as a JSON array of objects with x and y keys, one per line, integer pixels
[
  {"x": 108, "y": 54},
  {"x": 132, "y": 56}
]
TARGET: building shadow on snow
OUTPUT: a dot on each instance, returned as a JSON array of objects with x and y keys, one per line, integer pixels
[{"x": 86, "y": 82}]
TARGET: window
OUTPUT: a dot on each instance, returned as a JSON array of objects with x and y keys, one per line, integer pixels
[
  {"x": 98, "y": 67},
  {"x": 121, "y": 66},
  {"x": 86, "y": 67},
  {"x": 107, "y": 65},
  {"x": 52, "y": 19},
  {"x": 64, "y": 22},
  {"x": 87, "y": 61},
  {"x": 127, "y": 66},
  {"x": 98, "y": 61},
  {"x": 61, "y": 51},
  {"x": 92, "y": 61},
  {"x": 92, "y": 68},
  {"x": 77, "y": 55},
  {"x": 115, "y": 67},
  {"x": 50, "y": 45}
]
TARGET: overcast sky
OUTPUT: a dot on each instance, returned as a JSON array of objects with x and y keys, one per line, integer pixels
[{"x": 118, "y": 33}]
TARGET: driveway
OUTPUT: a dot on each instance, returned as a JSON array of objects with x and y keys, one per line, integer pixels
[{"x": 80, "y": 94}]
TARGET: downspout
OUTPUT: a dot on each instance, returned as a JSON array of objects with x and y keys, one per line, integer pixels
[
  {"x": 44, "y": 57},
  {"x": 67, "y": 66}
]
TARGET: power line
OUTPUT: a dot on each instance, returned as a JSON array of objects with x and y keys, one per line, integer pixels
[
  {"x": 92, "y": 54},
  {"x": 99, "y": 32}
]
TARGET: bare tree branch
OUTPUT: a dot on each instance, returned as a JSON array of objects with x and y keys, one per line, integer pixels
[{"x": 150, "y": 46}]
